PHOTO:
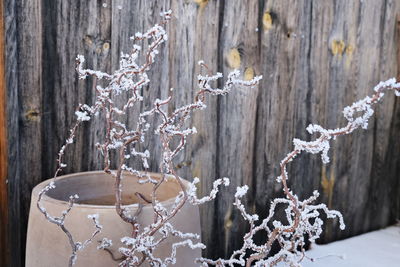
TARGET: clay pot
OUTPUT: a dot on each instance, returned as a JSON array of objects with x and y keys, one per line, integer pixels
[{"x": 47, "y": 245}]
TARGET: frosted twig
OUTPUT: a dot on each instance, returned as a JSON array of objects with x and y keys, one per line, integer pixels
[{"x": 302, "y": 216}]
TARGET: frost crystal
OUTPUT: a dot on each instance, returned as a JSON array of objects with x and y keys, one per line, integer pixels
[
  {"x": 82, "y": 116},
  {"x": 241, "y": 191},
  {"x": 105, "y": 243}
]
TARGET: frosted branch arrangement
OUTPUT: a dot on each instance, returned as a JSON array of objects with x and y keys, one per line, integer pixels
[{"x": 302, "y": 216}]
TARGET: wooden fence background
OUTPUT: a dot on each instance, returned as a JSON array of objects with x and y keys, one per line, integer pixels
[{"x": 316, "y": 57}]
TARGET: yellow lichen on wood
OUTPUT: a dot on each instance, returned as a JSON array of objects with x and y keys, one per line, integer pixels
[
  {"x": 267, "y": 21},
  {"x": 233, "y": 58},
  {"x": 328, "y": 185},
  {"x": 248, "y": 74},
  {"x": 337, "y": 47}
]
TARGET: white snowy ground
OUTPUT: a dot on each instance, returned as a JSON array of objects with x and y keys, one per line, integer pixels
[{"x": 375, "y": 249}]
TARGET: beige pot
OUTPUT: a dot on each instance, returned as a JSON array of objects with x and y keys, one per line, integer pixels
[{"x": 47, "y": 245}]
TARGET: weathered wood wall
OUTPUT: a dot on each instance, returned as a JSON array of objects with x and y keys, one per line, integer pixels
[{"x": 316, "y": 57}]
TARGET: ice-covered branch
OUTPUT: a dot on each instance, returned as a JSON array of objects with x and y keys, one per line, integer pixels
[
  {"x": 302, "y": 217},
  {"x": 129, "y": 80},
  {"x": 192, "y": 195},
  {"x": 60, "y": 222}
]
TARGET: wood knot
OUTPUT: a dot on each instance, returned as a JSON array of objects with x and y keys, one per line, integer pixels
[
  {"x": 32, "y": 115},
  {"x": 106, "y": 46},
  {"x": 248, "y": 74},
  {"x": 201, "y": 2},
  {"x": 228, "y": 223},
  {"x": 88, "y": 40},
  {"x": 233, "y": 58},
  {"x": 337, "y": 47},
  {"x": 184, "y": 164},
  {"x": 267, "y": 21}
]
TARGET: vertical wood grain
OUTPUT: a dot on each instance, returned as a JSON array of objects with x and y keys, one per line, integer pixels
[
  {"x": 13, "y": 132},
  {"x": 129, "y": 17},
  {"x": 4, "y": 248},
  {"x": 286, "y": 104},
  {"x": 194, "y": 36},
  {"x": 24, "y": 109},
  {"x": 238, "y": 48},
  {"x": 72, "y": 28}
]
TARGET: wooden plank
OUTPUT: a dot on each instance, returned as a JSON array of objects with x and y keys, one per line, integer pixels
[
  {"x": 129, "y": 17},
  {"x": 238, "y": 48},
  {"x": 394, "y": 166},
  {"x": 70, "y": 31},
  {"x": 23, "y": 46},
  {"x": 4, "y": 248},
  {"x": 13, "y": 130},
  {"x": 193, "y": 32},
  {"x": 382, "y": 175},
  {"x": 202, "y": 148},
  {"x": 194, "y": 35},
  {"x": 286, "y": 102}
]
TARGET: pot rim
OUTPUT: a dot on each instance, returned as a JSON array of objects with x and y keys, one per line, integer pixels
[{"x": 46, "y": 198}]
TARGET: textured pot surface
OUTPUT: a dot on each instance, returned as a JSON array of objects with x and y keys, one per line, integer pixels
[{"x": 48, "y": 246}]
